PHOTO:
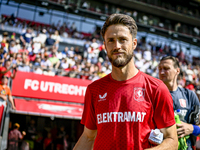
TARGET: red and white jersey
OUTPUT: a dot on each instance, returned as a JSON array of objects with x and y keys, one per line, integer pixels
[{"x": 124, "y": 112}]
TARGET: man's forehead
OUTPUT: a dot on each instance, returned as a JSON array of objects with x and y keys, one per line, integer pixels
[
  {"x": 167, "y": 62},
  {"x": 116, "y": 29},
  {"x": 118, "y": 33}
]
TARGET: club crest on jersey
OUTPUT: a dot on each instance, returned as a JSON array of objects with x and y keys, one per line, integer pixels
[
  {"x": 139, "y": 94},
  {"x": 3, "y": 92},
  {"x": 103, "y": 97},
  {"x": 182, "y": 102}
]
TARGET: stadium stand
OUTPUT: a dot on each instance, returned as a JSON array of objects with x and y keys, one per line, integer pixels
[{"x": 64, "y": 49}]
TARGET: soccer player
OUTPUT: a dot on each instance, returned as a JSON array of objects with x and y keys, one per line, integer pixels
[
  {"x": 121, "y": 108},
  {"x": 183, "y": 99}
]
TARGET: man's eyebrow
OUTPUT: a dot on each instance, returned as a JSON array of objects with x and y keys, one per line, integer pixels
[
  {"x": 118, "y": 37},
  {"x": 109, "y": 38}
]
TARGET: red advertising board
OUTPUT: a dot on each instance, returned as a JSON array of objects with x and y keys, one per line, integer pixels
[
  {"x": 47, "y": 87},
  {"x": 44, "y": 108}
]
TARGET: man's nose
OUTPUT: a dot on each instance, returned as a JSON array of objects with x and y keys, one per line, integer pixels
[
  {"x": 161, "y": 71},
  {"x": 117, "y": 44}
]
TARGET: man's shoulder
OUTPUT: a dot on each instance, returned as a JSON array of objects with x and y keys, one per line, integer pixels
[
  {"x": 103, "y": 80},
  {"x": 150, "y": 79},
  {"x": 7, "y": 87},
  {"x": 185, "y": 90},
  {"x": 191, "y": 95},
  {"x": 14, "y": 131}
]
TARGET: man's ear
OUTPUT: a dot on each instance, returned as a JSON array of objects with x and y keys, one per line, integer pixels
[
  {"x": 178, "y": 71},
  {"x": 134, "y": 43}
]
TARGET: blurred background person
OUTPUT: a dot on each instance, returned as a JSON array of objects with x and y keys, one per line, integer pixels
[{"x": 14, "y": 137}]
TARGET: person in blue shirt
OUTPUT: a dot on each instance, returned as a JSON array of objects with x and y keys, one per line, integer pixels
[
  {"x": 26, "y": 38},
  {"x": 183, "y": 99},
  {"x": 3, "y": 53},
  {"x": 50, "y": 41}
]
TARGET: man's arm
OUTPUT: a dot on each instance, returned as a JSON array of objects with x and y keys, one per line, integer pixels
[
  {"x": 170, "y": 141},
  {"x": 86, "y": 140},
  {"x": 14, "y": 72},
  {"x": 11, "y": 101},
  {"x": 21, "y": 136},
  {"x": 3, "y": 72},
  {"x": 4, "y": 97},
  {"x": 57, "y": 64}
]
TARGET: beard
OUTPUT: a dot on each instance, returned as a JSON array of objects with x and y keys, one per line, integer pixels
[{"x": 121, "y": 61}]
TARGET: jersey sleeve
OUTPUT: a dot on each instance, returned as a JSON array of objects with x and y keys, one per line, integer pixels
[
  {"x": 88, "y": 117},
  {"x": 8, "y": 91},
  {"x": 163, "y": 107},
  {"x": 20, "y": 135}
]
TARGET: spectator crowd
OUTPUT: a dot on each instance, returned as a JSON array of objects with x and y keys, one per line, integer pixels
[{"x": 38, "y": 51}]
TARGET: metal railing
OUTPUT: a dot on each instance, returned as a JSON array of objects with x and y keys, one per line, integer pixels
[{"x": 5, "y": 127}]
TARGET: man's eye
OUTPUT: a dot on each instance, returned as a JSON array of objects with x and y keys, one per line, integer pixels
[
  {"x": 166, "y": 68},
  {"x": 111, "y": 40},
  {"x": 123, "y": 40}
]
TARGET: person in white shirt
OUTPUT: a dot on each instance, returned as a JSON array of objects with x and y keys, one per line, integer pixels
[
  {"x": 45, "y": 63},
  {"x": 37, "y": 44},
  {"x": 147, "y": 54},
  {"x": 38, "y": 70},
  {"x": 138, "y": 54},
  {"x": 43, "y": 36},
  {"x": 56, "y": 37},
  {"x": 13, "y": 48},
  {"x": 64, "y": 63},
  {"x": 25, "y": 67}
]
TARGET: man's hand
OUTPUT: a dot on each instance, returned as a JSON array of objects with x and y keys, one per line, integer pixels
[
  {"x": 13, "y": 107},
  {"x": 184, "y": 129},
  {"x": 4, "y": 97},
  {"x": 23, "y": 133}
]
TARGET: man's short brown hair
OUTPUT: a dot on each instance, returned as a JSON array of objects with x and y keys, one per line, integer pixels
[
  {"x": 125, "y": 20},
  {"x": 174, "y": 59}
]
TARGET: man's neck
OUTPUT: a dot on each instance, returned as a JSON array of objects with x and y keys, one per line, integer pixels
[
  {"x": 3, "y": 85},
  {"x": 172, "y": 86},
  {"x": 125, "y": 73}
]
